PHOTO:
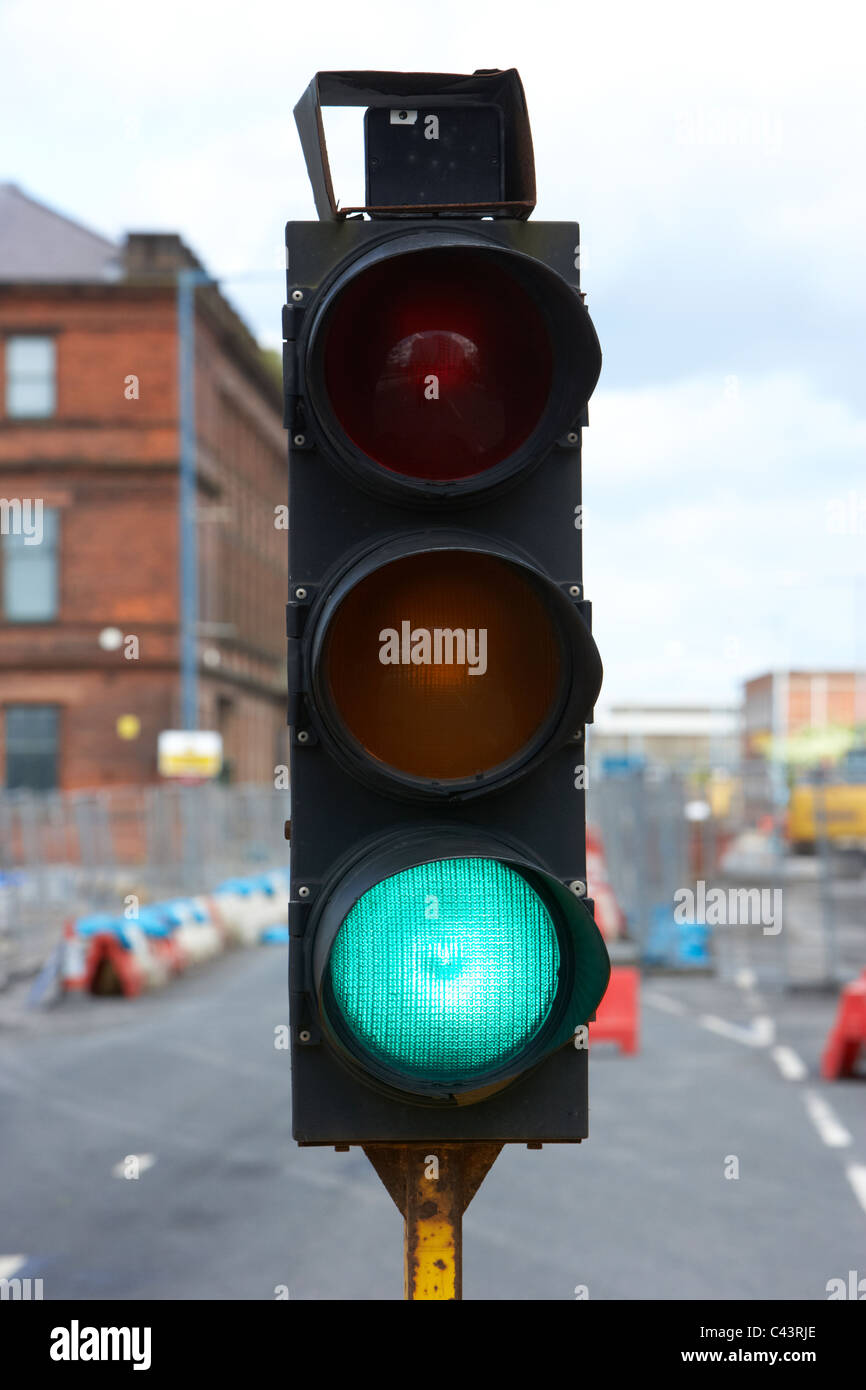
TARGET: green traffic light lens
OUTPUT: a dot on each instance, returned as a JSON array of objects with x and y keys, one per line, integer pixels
[{"x": 445, "y": 971}]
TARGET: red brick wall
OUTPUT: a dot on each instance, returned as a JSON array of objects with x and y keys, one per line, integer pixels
[
  {"x": 109, "y": 465},
  {"x": 102, "y": 335}
]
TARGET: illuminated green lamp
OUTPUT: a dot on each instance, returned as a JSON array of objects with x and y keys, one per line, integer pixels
[{"x": 447, "y": 979}]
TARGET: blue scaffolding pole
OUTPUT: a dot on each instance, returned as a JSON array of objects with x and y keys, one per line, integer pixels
[{"x": 187, "y": 281}]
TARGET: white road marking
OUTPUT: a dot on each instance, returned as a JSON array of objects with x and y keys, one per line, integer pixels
[
  {"x": 857, "y": 1177},
  {"x": 664, "y": 1002},
  {"x": 760, "y": 1032},
  {"x": 834, "y": 1134},
  {"x": 145, "y": 1161},
  {"x": 789, "y": 1064},
  {"x": 9, "y": 1264}
]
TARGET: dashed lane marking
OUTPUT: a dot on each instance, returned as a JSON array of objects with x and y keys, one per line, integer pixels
[
  {"x": 792, "y": 1067},
  {"x": 760, "y": 1032},
  {"x": 833, "y": 1133},
  {"x": 856, "y": 1173}
]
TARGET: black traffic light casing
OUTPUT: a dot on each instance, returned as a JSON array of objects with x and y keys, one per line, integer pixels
[{"x": 337, "y": 515}]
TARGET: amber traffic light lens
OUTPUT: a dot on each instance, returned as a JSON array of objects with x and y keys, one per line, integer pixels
[
  {"x": 437, "y": 363},
  {"x": 443, "y": 665}
]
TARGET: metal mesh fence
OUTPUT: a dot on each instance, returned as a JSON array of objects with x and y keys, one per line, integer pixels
[
  {"x": 812, "y": 926},
  {"x": 65, "y": 854},
  {"x": 641, "y": 820}
]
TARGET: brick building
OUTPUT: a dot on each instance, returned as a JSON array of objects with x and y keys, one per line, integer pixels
[
  {"x": 89, "y": 526},
  {"x": 785, "y": 702}
]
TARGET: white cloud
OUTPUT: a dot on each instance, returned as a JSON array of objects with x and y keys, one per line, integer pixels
[
  {"x": 724, "y": 432},
  {"x": 719, "y": 544}
]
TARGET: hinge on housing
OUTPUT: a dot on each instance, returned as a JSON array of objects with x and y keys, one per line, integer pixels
[
  {"x": 305, "y": 1022},
  {"x": 296, "y": 617},
  {"x": 298, "y": 915},
  {"x": 294, "y": 670},
  {"x": 290, "y": 384},
  {"x": 293, "y": 315}
]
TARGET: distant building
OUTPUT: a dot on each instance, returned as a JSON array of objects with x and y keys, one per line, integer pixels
[
  {"x": 682, "y": 737},
  {"x": 89, "y": 543},
  {"x": 781, "y": 703}
]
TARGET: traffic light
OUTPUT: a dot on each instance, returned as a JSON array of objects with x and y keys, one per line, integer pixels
[{"x": 438, "y": 361}]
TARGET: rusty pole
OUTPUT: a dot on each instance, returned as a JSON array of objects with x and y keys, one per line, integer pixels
[
  {"x": 433, "y": 1225},
  {"x": 432, "y": 1185}
]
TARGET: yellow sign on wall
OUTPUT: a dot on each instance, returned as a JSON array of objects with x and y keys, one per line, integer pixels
[{"x": 189, "y": 753}]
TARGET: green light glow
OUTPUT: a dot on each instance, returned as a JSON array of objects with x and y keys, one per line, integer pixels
[{"x": 446, "y": 970}]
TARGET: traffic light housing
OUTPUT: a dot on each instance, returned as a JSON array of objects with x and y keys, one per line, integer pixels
[{"x": 438, "y": 361}]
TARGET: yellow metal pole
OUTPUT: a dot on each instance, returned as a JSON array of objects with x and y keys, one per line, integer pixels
[
  {"x": 433, "y": 1225},
  {"x": 432, "y": 1184}
]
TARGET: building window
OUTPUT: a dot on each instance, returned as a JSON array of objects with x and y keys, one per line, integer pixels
[
  {"x": 30, "y": 377},
  {"x": 31, "y": 746},
  {"x": 30, "y": 566}
]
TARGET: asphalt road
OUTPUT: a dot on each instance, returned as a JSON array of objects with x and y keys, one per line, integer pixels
[{"x": 228, "y": 1207}]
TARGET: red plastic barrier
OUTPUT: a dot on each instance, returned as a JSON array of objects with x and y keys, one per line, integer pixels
[
  {"x": 126, "y": 965},
  {"x": 84, "y": 957},
  {"x": 848, "y": 1032},
  {"x": 166, "y": 949},
  {"x": 608, "y": 914},
  {"x": 217, "y": 917},
  {"x": 618, "y": 1015}
]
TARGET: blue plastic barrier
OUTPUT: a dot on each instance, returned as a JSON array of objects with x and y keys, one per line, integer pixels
[{"x": 679, "y": 945}]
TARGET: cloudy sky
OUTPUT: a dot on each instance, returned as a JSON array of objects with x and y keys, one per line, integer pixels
[{"x": 713, "y": 155}]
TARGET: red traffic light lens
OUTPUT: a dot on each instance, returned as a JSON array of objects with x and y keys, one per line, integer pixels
[{"x": 437, "y": 363}]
